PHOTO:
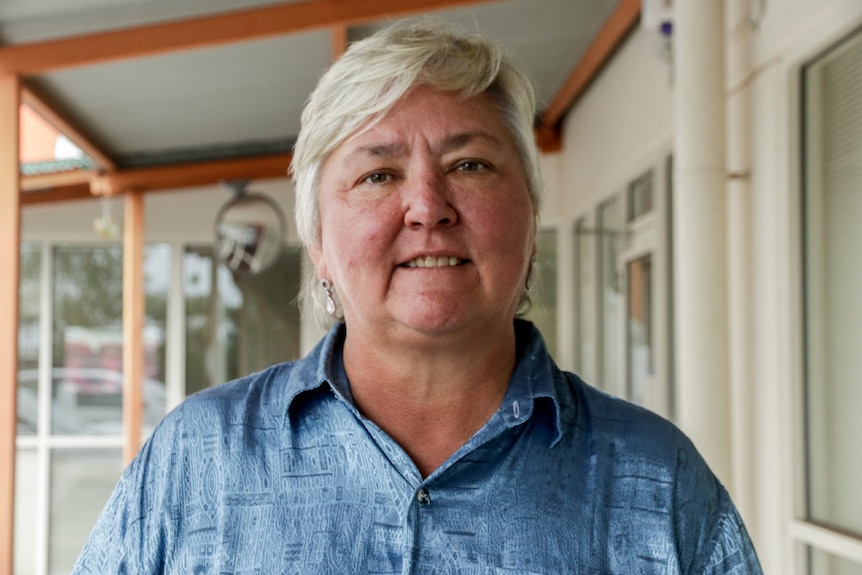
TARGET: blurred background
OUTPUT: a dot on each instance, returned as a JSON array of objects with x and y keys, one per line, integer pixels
[{"x": 698, "y": 251}]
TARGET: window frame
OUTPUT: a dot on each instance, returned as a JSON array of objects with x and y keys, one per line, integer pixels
[{"x": 806, "y": 535}]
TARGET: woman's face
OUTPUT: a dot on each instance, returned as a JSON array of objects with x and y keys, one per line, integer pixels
[{"x": 426, "y": 223}]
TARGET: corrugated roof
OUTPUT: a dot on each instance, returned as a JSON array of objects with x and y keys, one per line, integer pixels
[{"x": 56, "y": 166}]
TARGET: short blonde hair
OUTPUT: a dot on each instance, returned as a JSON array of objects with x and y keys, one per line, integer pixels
[{"x": 360, "y": 88}]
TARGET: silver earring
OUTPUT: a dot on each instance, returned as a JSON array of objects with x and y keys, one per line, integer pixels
[{"x": 330, "y": 301}]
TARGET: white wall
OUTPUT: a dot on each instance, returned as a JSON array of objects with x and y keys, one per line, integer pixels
[{"x": 617, "y": 125}]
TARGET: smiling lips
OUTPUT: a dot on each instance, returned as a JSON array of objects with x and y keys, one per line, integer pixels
[{"x": 433, "y": 262}]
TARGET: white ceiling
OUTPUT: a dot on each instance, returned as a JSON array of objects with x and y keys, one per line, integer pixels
[{"x": 245, "y": 98}]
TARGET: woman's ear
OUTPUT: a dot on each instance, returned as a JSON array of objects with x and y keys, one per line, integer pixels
[{"x": 316, "y": 255}]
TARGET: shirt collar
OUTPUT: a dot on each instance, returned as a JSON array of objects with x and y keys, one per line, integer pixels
[
  {"x": 531, "y": 389},
  {"x": 316, "y": 368}
]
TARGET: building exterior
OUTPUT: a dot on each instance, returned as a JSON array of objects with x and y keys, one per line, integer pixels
[
  {"x": 793, "y": 108},
  {"x": 700, "y": 257}
]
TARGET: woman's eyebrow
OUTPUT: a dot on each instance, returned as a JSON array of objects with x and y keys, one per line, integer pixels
[
  {"x": 449, "y": 143},
  {"x": 384, "y": 150},
  {"x": 462, "y": 139}
]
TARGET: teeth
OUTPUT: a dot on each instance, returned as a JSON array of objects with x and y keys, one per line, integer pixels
[{"x": 433, "y": 262}]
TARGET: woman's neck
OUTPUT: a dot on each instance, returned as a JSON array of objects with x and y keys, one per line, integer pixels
[{"x": 430, "y": 399}]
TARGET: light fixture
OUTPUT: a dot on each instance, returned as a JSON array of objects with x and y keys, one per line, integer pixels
[
  {"x": 249, "y": 230},
  {"x": 104, "y": 225}
]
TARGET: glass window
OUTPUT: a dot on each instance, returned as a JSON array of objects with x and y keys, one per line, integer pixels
[
  {"x": 833, "y": 284},
  {"x": 87, "y": 390},
  {"x": 822, "y": 563},
  {"x": 26, "y": 498},
  {"x": 81, "y": 482},
  {"x": 640, "y": 327},
  {"x": 238, "y": 323},
  {"x": 87, "y": 375},
  {"x": 28, "y": 338},
  {"x": 544, "y": 291},
  {"x": 157, "y": 279},
  {"x": 585, "y": 309},
  {"x": 610, "y": 227},
  {"x": 254, "y": 318},
  {"x": 640, "y": 196}
]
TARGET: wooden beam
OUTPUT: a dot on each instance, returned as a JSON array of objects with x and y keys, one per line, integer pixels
[
  {"x": 549, "y": 139},
  {"x": 10, "y": 239},
  {"x": 339, "y": 40},
  {"x": 55, "y": 180},
  {"x": 609, "y": 38},
  {"x": 133, "y": 323},
  {"x": 56, "y": 187},
  {"x": 81, "y": 184},
  {"x": 193, "y": 174},
  {"x": 241, "y": 25},
  {"x": 63, "y": 193},
  {"x": 52, "y": 114}
]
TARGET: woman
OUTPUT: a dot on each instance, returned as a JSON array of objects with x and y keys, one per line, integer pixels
[{"x": 429, "y": 432}]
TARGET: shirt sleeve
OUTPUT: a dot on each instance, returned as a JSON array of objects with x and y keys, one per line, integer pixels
[
  {"x": 713, "y": 539},
  {"x": 134, "y": 530},
  {"x": 732, "y": 553}
]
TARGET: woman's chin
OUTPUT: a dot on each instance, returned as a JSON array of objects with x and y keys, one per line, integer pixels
[{"x": 446, "y": 318}]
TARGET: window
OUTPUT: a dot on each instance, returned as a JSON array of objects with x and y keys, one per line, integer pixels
[
  {"x": 70, "y": 384},
  {"x": 26, "y": 457},
  {"x": 87, "y": 378},
  {"x": 544, "y": 290},
  {"x": 30, "y": 295},
  {"x": 622, "y": 291},
  {"x": 237, "y": 323},
  {"x": 640, "y": 196},
  {"x": 611, "y": 305},
  {"x": 585, "y": 310},
  {"x": 70, "y": 390},
  {"x": 832, "y": 161},
  {"x": 639, "y": 328}
]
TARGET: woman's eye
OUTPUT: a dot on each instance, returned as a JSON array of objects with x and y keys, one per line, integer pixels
[
  {"x": 470, "y": 166},
  {"x": 376, "y": 178}
]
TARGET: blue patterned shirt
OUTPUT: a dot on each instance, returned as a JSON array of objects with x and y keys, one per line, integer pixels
[{"x": 278, "y": 473}]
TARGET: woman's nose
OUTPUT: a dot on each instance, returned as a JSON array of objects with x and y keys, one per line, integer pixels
[{"x": 428, "y": 200}]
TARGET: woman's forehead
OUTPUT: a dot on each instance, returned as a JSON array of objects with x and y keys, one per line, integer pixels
[{"x": 443, "y": 120}]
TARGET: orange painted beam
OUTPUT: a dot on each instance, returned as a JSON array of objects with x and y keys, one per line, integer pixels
[
  {"x": 10, "y": 237},
  {"x": 80, "y": 184},
  {"x": 51, "y": 113},
  {"x": 609, "y": 38},
  {"x": 237, "y": 26},
  {"x": 339, "y": 40},
  {"x": 64, "y": 193},
  {"x": 192, "y": 174},
  {"x": 54, "y": 180},
  {"x": 549, "y": 139},
  {"x": 133, "y": 323}
]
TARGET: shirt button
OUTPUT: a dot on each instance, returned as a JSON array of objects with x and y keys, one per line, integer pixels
[{"x": 423, "y": 497}]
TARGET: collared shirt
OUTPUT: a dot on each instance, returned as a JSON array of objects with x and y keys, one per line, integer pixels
[{"x": 279, "y": 473}]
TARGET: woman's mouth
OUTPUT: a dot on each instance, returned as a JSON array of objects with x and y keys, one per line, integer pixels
[{"x": 433, "y": 262}]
